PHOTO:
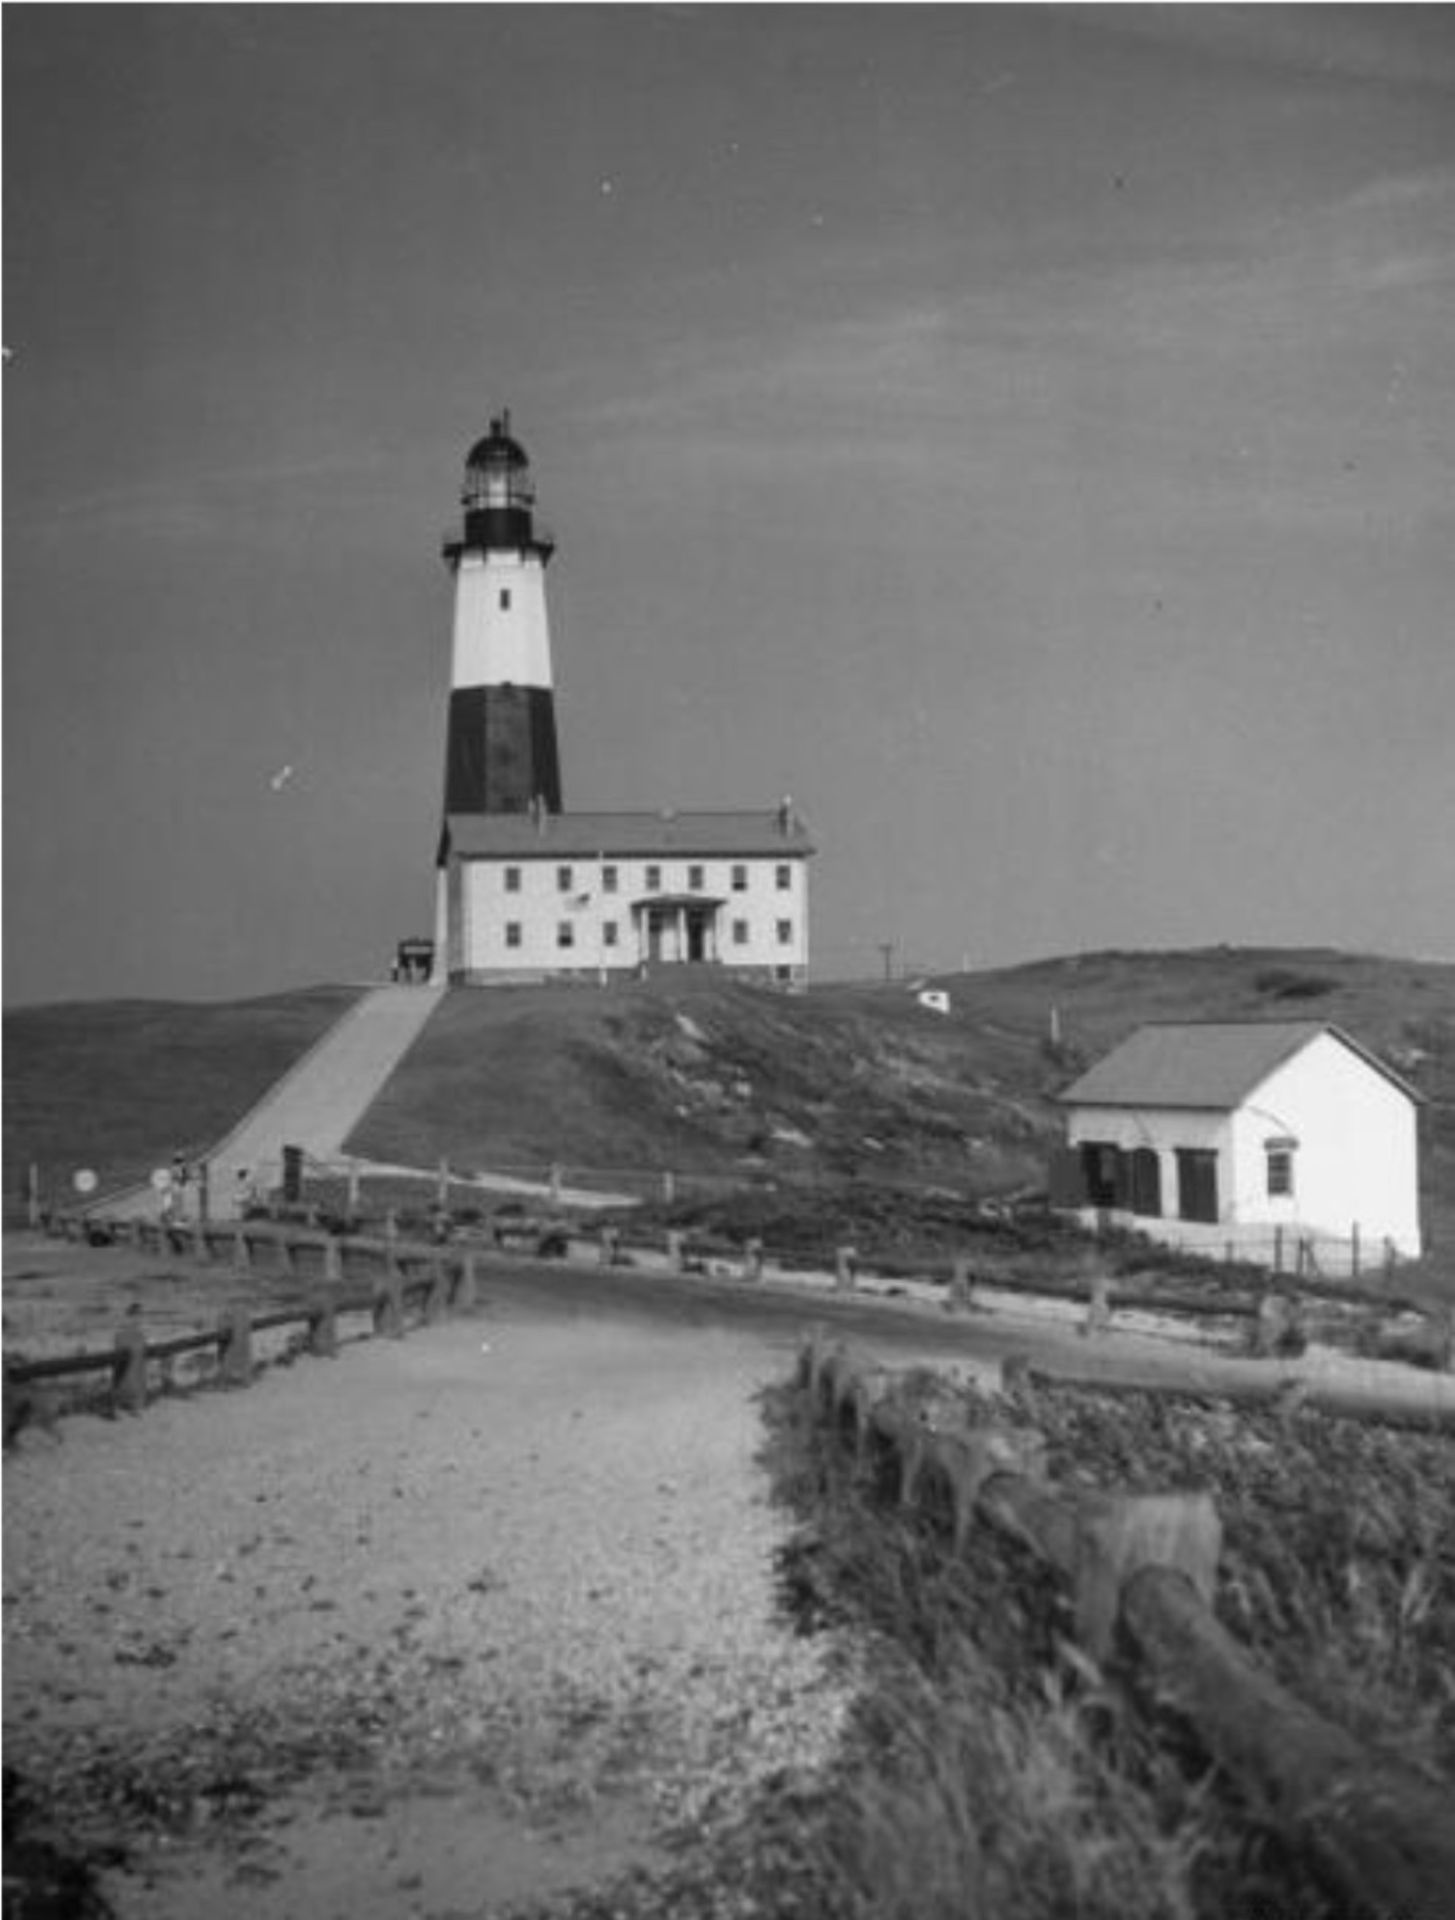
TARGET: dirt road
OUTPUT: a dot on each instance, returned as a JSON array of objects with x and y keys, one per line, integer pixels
[{"x": 439, "y": 1626}]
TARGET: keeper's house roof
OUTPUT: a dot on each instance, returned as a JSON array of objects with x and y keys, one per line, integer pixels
[
  {"x": 1209, "y": 1065},
  {"x": 585, "y": 836}
]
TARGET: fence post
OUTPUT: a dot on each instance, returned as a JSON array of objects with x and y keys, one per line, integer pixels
[
  {"x": 674, "y": 1249},
  {"x": 437, "y": 1299},
  {"x": 442, "y": 1185},
  {"x": 323, "y": 1328},
  {"x": 32, "y": 1195},
  {"x": 466, "y": 1285},
  {"x": 555, "y": 1184},
  {"x": 391, "y": 1225},
  {"x": 753, "y": 1259},
  {"x": 242, "y": 1256},
  {"x": 960, "y": 1284},
  {"x": 333, "y": 1259},
  {"x": 235, "y": 1348},
  {"x": 389, "y": 1307},
  {"x": 1388, "y": 1258},
  {"x": 846, "y": 1260},
  {"x": 353, "y": 1196},
  {"x": 1354, "y": 1250},
  {"x": 201, "y": 1251},
  {"x": 283, "y": 1252},
  {"x": 609, "y": 1239},
  {"x": 669, "y": 1188},
  {"x": 129, "y": 1369},
  {"x": 1278, "y": 1249},
  {"x": 1098, "y": 1311}
]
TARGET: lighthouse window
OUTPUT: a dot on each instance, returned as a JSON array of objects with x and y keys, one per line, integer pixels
[
  {"x": 694, "y": 879},
  {"x": 565, "y": 934},
  {"x": 512, "y": 879},
  {"x": 505, "y": 599},
  {"x": 740, "y": 879},
  {"x": 785, "y": 933},
  {"x": 784, "y": 878},
  {"x": 512, "y": 933},
  {"x": 563, "y": 879}
]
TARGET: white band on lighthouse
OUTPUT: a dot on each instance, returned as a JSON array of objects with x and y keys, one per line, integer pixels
[{"x": 501, "y": 633}]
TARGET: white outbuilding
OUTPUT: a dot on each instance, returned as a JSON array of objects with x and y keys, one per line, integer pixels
[{"x": 1278, "y": 1141}]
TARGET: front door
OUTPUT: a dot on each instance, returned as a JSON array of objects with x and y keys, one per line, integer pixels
[
  {"x": 1197, "y": 1183},
  {"x": 696, "y": 933},
  {"x": 656, "y": 931}
]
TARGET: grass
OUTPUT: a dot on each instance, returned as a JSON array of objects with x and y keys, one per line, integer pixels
[
  {"x": 120, "y": 1086},
  {"x": 992, "y": 1771}
]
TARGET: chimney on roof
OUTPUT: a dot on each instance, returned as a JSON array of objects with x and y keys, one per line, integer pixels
[{"x": 785, "y": 815}]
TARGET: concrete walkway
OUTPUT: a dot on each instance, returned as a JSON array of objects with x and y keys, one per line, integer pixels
[{"x": 316, "y": 1104}]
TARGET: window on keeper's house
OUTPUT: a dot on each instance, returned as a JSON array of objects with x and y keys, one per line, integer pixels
[
  {"x": 783, "y": 878},
  {"x": 740, "y": 933},
  {"x": 565, "y": 934},
  {"x": 785, "y": 933},
  {"x": 608, "y": 879},
  {"x": 608, "y": 933},
  {"x": 654, "y": 879},
  {"x": 512, "y": 933},
  {"x": 1280, "y": 1168},
  {"x": 505, "y": 599},
  {"x": 563, "y": 880},
  {"x": 740, "y": 879},
  {"x": 694, "y": 879},
  {"x": 512, "y": 879}
]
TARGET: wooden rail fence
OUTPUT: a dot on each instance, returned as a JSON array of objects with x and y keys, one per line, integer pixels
[
  {"x": 1142, "y": 1570},
  {"x": 427, "y": 1283}
]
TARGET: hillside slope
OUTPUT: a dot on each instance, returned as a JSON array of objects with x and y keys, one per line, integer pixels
[
  {"x": 693, "y": 1073},
  {"x": 861, "y": 1081}
]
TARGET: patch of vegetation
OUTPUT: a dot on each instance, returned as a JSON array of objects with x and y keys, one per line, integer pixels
[{"x": 1287, "y": 983}]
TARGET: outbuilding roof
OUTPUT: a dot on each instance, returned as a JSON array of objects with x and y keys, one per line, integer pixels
[
  {"x": 585, "y": 836},
  {"x": 1211, "y": 1065}
]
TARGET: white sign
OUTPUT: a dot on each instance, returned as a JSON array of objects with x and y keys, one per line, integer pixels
[{"x": 84, "y": 1180}]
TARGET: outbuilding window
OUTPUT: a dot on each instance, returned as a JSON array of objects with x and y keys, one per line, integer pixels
[{"x": 1280, "y": 1167}]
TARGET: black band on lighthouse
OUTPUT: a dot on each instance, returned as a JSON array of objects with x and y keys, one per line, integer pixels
[{"x": 502, "y": 750}]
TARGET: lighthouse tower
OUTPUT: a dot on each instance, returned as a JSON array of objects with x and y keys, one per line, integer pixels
[{"x": 501, "y": 754}]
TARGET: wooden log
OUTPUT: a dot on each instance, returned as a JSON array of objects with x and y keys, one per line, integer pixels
[
  {"x": 323, "y": 1328},
  {"x": 235, "y": 1348},
  {"x": 129, "y": 1369},
  {"x": 389, "y": 1307},
  {"x": 1382, "y": 1834},
  {"x": 968, "y": 1460}
]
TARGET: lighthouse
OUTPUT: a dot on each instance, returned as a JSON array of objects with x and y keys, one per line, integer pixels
[
  {"x": 501, "y": 754},
  {"x": 530, "y": 893}
]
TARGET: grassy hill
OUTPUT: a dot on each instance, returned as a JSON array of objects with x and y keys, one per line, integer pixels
[
  {"x": 855, "y": 1087},
  {"x": 122, "y": 1085}
]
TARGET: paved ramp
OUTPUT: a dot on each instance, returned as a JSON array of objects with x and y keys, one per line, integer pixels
[{"x": 318, "y": 1102}]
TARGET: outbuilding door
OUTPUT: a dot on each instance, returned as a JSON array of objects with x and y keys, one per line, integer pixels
[{"x": 1197, "y": 1183}]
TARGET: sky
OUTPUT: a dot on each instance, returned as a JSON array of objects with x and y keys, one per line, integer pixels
[{"x": 1024, "y": 435}]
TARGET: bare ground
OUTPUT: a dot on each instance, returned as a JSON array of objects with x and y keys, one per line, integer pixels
[{"x": 446, "y": 1626}]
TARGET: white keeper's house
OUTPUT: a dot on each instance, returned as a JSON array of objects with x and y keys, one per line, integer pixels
[
  {"x": 1252, "y": 1136},
  {"x": 593, "y": 894},
  {"x": 527, "y": 891}
]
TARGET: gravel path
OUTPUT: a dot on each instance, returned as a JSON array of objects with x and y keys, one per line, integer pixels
[{"x": 443, "y": 1625}]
